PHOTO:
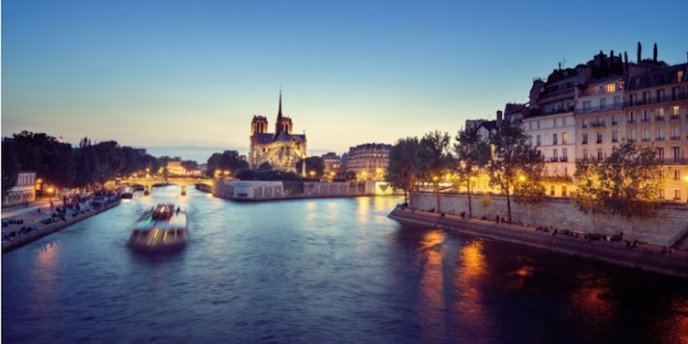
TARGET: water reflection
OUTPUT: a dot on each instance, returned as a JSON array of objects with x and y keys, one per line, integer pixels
[
  {"x": 431, "y": 307},
  {"x": 471, "y": 270}
]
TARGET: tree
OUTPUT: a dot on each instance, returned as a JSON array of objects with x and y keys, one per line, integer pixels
[
  {"x": 228, "y": 160},
  {"x": 515, "y": 167},
  {"x": 472, "y": 154},
  {"x": 434, "y": 159},
  {"x": 190, "y": 165},
  {"x": 315, "y": 164},
  {"x": 10, "y": 165},
  {"x": 403, "y": 169},
  {"x": 627, "y": 183}
]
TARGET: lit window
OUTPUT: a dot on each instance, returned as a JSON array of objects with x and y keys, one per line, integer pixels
[
  {"x": 610, "y": 87},
  {"x": 675, "y": 111}
]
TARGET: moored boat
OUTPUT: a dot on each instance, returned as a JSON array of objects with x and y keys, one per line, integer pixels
[{"x": 161, "y": 228}]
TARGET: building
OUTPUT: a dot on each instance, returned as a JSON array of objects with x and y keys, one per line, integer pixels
[
  {"x": 368, "y": 161},
  {"x": 281, "y": 149},
  {"x": 23, "y": 191},
  {"x": 332, "y": 164},
  {"x": 656, "y": 108}
]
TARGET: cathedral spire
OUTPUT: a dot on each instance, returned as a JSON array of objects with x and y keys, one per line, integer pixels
[{"x": 278, "y": 123}]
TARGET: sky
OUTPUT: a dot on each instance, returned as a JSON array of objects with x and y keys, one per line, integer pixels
[{"x": 174, "y": 76}]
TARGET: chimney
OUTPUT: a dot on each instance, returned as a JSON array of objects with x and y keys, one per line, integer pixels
[{"x": 499, "y": 118}]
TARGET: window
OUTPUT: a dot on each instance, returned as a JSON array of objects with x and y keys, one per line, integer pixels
[
  {"x": 530, "y": 141},
  {"x": 634, "y": 99},
  {"x": 677, "y": 175},
  {"x": 599, "y": 154},
  {"x": 599, "y": 137},
  {"x": 660, "y": 95},
  {"x": 609, "y": 87},
  {"x": 677, "y": 154},
  {"x": 617, "y": 102},
  {"x": 647, "y": 97},
  {"x": 660, "y": 154},
  {"x": 660, "y": 134},
  {"x": 537, "y": 140},
  {"x": 554, "y": 154},
  {"x": 603, "y": 103},
  {"x": 659, "y": 114},
  {"x": 633, "y": 136},
  {"x": 585, "y": 138},
  {"x": 530, "y": 125},
  {"x": 551, "y": 190},
  {"x": 646, "y": 134},
  {"x": 615, "y": 136},
  {"x": 630, "y": 116},
  {"x": 585, "y": 123},
  {"x": 661, "y": 194},
  {"x": 585, "y": 154},
  {"x": 615, "y": 120},
  {"x": 675, "y": 93},
  {"x": 563, "y": 191},
  {"x": 675, "y": 111},
  {"x": 677, "y": 194},
  {"x": 564, "y": 155},
  {"x": 645, "y": 118},
  {"x": 564, "y": 138},
  {"x": 554, "y": 139},
  {"x": 538, "y": 124},
  {"x": 679, "y": 75},
  {"x": 675, "y": 133},
  {"x": 586, "y": 106}
]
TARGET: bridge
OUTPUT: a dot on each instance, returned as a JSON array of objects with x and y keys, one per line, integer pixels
[{"x": 150, "y": 182}]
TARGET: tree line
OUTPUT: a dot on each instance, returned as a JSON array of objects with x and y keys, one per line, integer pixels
[
  {"x": 70, "y": 166},
  {"x": 628, "y": 182}
]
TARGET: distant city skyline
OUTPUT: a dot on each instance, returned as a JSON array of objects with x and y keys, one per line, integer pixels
[{"x": 192, "y": 74}]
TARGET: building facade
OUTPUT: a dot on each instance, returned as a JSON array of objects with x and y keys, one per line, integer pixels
[
  {"x": 368, "y": 161},
  {"x": 23, "y": 191},
  {"x": 281, "y": 149}
]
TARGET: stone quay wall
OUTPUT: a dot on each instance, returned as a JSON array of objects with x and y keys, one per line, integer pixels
[{"x": 561, "y": 213}]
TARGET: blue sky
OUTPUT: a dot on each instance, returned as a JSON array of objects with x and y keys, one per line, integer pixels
[{"x": 193, "y": 73}]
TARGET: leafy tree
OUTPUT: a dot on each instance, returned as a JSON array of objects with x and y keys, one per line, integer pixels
[
  {"x": 403, "y": 168},
  {"x": 627, "y": 183},
  {"x": 472, "y": 154},
  {"x": 315, "y": 164},
  {"x": 228, "y": 160},
  {"x": 190, "y": 165},
  {"x": 10, "y": 165},
  {"x": 515, "y": 166},
  {"x": 435, "y": 159}
]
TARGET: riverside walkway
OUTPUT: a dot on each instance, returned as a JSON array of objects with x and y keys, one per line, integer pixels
[
  {"x": 638, "y": 255},
  {"x": 24, "y": 224}
]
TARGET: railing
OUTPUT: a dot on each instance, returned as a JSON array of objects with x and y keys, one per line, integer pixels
[
  {"x": 674, "y": 138},
  {"x": 563, "y": 159},
  {"x": 598, "y": 124},
  {"x": 631, "y": 120},
  {"x": 659, "y": 139},
  {"x": 659, "y": 118},
  {"x": 679, "y": 238},
  {"x": 593, "y": 109},
  {"x": 645, "y": 119},
  {"x": 665, "y": 99}
]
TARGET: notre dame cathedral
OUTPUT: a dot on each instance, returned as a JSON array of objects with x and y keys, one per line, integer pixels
[{"x": 281, "y": 149}]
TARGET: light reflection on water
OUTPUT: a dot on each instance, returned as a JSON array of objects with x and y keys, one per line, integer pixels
[{"x": 330, "y": 270}]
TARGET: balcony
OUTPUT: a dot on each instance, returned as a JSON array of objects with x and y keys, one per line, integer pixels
[
  {"x": 659, "y": 118},
  {"x": 615, "y": 140},
  {"x": 665, "y": 99},
  {"x": 660, "y": 138},
  {"x": 593, "y": 109},
  {"x": 646, "y": 139},
  {"x": 672, "y": 117},
  {"x": 631, "y": 120},
  {"x": 563, "y": 159},
  {"x": 553, "y": 159},
  {"x": 645, "y": 119},
  {"x": 675, "y": 138},
  {"x": 585, "y": 142},
  {"x": 615, "y": 122},
  {"x": 598, "y": 124}
]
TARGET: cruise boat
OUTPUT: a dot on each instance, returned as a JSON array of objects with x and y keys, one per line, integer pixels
[{"x": 161, "y": 228}]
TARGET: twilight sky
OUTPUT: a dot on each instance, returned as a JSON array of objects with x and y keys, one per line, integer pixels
[{"x": 193, "y": 73}]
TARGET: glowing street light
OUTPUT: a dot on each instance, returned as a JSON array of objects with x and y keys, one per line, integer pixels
[
  {"x": 311, "y": 173},
  {"x": 522, "y": 178}
]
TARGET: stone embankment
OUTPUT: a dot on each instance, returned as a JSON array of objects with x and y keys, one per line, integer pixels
[
  {"x": 641, "y": 256},
  {"x": 39, "y": 230}
]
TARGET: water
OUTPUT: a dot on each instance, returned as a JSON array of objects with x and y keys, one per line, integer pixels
[{"x": 331, "y": 270}]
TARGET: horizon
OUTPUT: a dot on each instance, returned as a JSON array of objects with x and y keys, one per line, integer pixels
[{"x": 176, "y": 74}]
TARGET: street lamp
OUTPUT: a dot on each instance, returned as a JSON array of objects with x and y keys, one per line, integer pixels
[
  {"x": 311, "y": 173},
  {"x": 522, "y": 178}
]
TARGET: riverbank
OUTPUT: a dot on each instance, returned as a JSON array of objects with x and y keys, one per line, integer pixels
[
  {"x": 641, "y": 256},
  {"x": 39, "y": 229}
]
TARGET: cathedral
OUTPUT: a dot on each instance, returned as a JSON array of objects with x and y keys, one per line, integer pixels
[{"x": 281, "y": 149}]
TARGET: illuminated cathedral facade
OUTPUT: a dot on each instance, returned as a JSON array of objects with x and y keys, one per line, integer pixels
[{"x": 281, "y": 149}]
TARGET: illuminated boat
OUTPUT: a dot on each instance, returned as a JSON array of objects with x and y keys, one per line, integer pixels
[{"x": 161, "y": 228}]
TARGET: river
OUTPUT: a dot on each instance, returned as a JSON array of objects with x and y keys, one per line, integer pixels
[{"x": 328, "y": 270}]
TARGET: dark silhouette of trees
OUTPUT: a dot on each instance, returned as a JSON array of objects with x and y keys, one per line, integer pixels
[
  {"x": 472, "y": 154},
  {"x": 435, "y": 159},
  {"x": 403, "y": 168},
  {"x": 515, "y": 166},
  {"x": 66, "y": 166},
  {"x": 229, "y": 160},
  {"x": 315, "y": 164},
  {"x": 10, "y": 165}
]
